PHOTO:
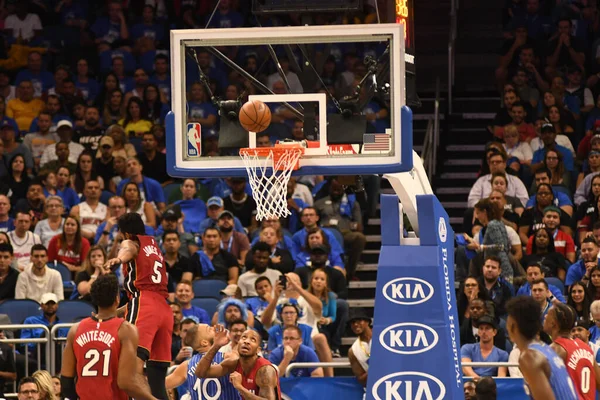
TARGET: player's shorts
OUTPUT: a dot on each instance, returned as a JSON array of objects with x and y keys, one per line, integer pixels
[{"x": 153, "y": 317}]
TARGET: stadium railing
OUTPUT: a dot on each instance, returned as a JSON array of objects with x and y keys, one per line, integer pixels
[
  {"x": 55, "y": 340},
  {"x": 25, "y": 349},
  {"x": 452, "y": 50}
]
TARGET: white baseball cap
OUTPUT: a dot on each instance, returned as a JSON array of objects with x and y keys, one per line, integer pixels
[
  {"x": 47, "y": 297},
  {"x": 64, "y": 122}
]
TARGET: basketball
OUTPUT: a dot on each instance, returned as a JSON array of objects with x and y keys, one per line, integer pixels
[{"x": 255, "y": 116}]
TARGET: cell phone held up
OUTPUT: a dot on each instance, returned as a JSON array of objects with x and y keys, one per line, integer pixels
[{"x": 283, "y": 281}]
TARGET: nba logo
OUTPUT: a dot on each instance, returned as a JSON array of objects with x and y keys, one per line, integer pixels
[{"x": 194, "y": 145}]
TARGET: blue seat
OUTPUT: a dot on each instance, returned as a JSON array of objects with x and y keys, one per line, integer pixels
[
  {"x": 556, "y": 282},
  {"x": 208, "y": 288},
  {"x": 65, "y": 274},
  {"x": 74, "y": 310},
  {"x": 208, "y": 304},
  {"x": 105, "y": 196},
  {"x": 18, "y": 310}
]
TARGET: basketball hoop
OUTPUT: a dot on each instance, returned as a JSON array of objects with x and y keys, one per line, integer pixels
[{"x": 269, "y": 171}]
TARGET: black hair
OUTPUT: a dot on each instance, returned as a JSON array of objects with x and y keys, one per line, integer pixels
[
  {"x": 239, "y": 322},
  {"x": 131, "y": 223},
  {"x": 27, "y": 379},
  {"x": 542, "y": 281},
  {"x": 6, "y": 248},
  {"x": 38, "y": 247},
  {"x": 485, "y": 388},
  {"x": 259, "y": 280},
  {"x": 104, "y": 290},
  {"x": 589, "y": 239},
  {"x": 527, "y": 314},
  {"x": 565, "y": 316},
  {"x": 167, "y": 232},
  {"x": 544, "y": 170},
  {"x": 261, "y": 246}
]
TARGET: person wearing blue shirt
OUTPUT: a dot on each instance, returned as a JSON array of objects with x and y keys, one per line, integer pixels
[
  {"x": 548, "y": 136},
  {"x": 293, "y": 351},
  {"x": 225, "y": 17},
  {"x": 484, "y": 351},
  {"x": 560, "y": 200},
  {"x": 581, "y": 270},
  {"x": 148, "y": 28},
  {"x": 88, "y": 86},
  {"x": 310, "y": 218},
  {"x": 113, "y": 28},
  {"x": 161, "y": 77},
  {"x": 377, "y": 117},
  {"x": 150, "y": 190},
  {"x": 40, "y": 79},
  {"x": 214, "y": 207},
  {"x": 49, "y": 305},
  {"x": 199, "y": 109},
  {"x": 289, "y": 314},
  {"x": 184, "y": 293},
  {"x": 534, "y": 272}
]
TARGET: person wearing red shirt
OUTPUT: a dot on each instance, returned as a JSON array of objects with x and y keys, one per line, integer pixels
[
  {"x": 69, "y": 248},
  {"x": 563, "y": 243}
]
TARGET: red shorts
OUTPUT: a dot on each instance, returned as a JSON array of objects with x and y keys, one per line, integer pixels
[{"x": 153, "y": 317}]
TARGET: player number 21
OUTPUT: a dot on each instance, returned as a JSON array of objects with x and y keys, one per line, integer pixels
[
  {"x": 157, "y": 276},
  {"x": 94, "y": 356}
]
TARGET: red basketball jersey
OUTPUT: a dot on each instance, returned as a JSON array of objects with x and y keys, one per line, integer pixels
[
  {"x": 580, "y": 364},
  {"x": 249, "y": 381},
  {"x": 147, "y": 272},
  {"x": 97, "y": 348}
]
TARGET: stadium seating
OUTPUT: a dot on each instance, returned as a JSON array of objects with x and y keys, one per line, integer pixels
[
  {"x": 65, "y": 274},
  {"x": 208, "y": 288},
  {"x": 74, "y": 310},
  {"x": 18, "y": 310},
  {"x": 208, "y": 304}
]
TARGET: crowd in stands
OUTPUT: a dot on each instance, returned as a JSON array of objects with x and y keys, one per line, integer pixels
[
  {"x": 533, "y": 223},
  {"x": 84, "y": 91}
]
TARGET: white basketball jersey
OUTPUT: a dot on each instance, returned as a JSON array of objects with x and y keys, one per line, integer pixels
[{"x": 91, "y": 219}]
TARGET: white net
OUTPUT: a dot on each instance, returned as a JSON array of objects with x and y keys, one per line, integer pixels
[{"x": 269, "y": 172}]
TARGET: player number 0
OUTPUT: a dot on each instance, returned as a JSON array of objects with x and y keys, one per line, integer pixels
[
  {"x": 157, "y": 277},
  {"x": 201, "y": 387},
  {"x": 585, "y": 379},
  {"x": 94, "y": 356}
]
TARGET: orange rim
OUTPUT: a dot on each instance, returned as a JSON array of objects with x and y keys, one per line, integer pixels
[{"x": 278, "y": 151}]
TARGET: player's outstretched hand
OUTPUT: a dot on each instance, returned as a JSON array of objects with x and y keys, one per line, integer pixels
[
  {"x": 236, "y": 379},
  {"x": 221, "y": 336},
  {"x": 113, "y": 261}
]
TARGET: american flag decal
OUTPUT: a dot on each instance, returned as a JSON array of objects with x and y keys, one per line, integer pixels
[{"x": 376, "y": 142}]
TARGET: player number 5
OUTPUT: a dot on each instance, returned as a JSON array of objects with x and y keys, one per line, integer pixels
[
  {"x": 157, "y": 277},
  {"x": 94, "y": 356}
]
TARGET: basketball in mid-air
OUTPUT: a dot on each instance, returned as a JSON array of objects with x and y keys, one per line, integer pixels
[{"x": 255, "y": 116}]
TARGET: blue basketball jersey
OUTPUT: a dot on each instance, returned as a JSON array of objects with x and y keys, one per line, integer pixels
[
  {"x": 560, "y": 381},
  {"x": 209, "y": 388}
]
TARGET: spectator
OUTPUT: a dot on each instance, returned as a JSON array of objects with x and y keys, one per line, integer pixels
[
  {"x": 37, "y": 279},
  {"x": 526, "y": 89},
  {"x": 564, "y": 50},
  {"x": 161, "y": 76},
  {"x": 318, "y": 259},
  {"x": 545, "y": 256},
  {"x": 533, "y": 218},
  {"x": 55, "y": 107},
  {"x": 6, "y": 222},
  {"x": 581, "y": 270},
  {"x": 84, "y": 172},
  {"x": 51, "y": 226},
  {"x": 236, "y": 330},
  {"x": 214, "y": 207},
  {"x": 136, "y": 204},
  {"x": 91, "y": 133},
  {"x": 316, "y": 237},
  {"x": 319, "y": 287},
  {"x": 289, "y": 313},
  {"x": 70, "y": 248},
  {"x": 175, "y": 263},
  {"x": 157, "y": 109},
  {"x": 563, "y": 243},
  {"x": 185, "y": 352},
  {"x": 193, "y": 208},
  {"x": 509, "y": 218},
  {"x": 360, "y": 351},
  {"x": 111, "y": 30},
  {"x": 150, "y": 190},
  {"x": 3, "y": 101},
  {"x": 580, "y": 300},
  {"x": 23, "y": 239},
  {"x": 88, "y": 87},
  {"x": 152, "y": 161},
  {"x": 62, "y": 152},
  {"x": 120, "y": 168},
  {"x": 593, "y": 166},
  {"x": 292, "y": 350},
  {"x": 91, "y": 269},
  {"x": 470, "y": 289},
  {"x": 518, "y": 151},
  {"x": 484, "y": 351},
  {"x": 140, "y": 78},
  {"x": 576, "y": 89},
  {"x": 41, "y": 80},
  {"x": 107, "y": 230},
  {"x": 90, "y": 213},
  {"x": 12, "y": 148},
  {"x": 231, "y": 310},
  {"x": 469, "y": 390},
  {"x": 28, "y": 389},
  {"x": 562, "y": 200},
  {"x": 541, "y": 294},
  {"x": 135, "y": 123},
  {"x": 241, "y": 204},
  {"x": 175, "y": 337},
  {"x": 33, "y": 203},
  {"x": 184, "y": 293},
  {"x": 8, "y": 275},
  {"x": 212, "y": 262},
  {"x": 280, "y": 259},
  {"x": 482, "y": 187},
  {"x": 265, "y": 295},
  {"x": 104, "y": 164},
  {"x": 36, "y": 142},
  {"x": 469, "y": 332},
  {"x": 45, "y": 385},
  {"x": 64, "y": 130},
  {"x": 235, "y": 243},
  {"x": 48, "y": 179},
  {"x": 173, "y": 221},
  {"x": 126, "y": 83},
  {"x": 8, "y": 371},
  {"x": 25, "y": 107},
  {"x": 548, "y": 135},
  {"x": 68, "y": 195},
  {"x": 112, "y": 108},
  {"x": 260, "y": 267},
  {"x": 49, "y": 305},
  {"x": 581, "y": 330},
  {"x": 518, "y": 114},
  {"x": 486, "y": 389},
  {"x": 148, "y": 28},
  {"x": 499, "y": 290}
]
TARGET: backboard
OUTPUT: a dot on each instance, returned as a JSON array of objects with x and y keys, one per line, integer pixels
[{"x": 341, "y": 88}]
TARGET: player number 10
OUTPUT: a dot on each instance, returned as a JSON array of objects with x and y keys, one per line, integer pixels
[{"x": 201, "y": 388}]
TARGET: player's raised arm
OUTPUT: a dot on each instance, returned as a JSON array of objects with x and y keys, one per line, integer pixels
[
  {"x": 129, "y": 379},
  {"x": 266, "y": 380},
  {"x": 205, "y": 369},
  {"x": 127, "y": 252},
  {"x": 69, "y": 366},
  {"x": 536, "y": 370},
  {"x": 177, "y": 378}
]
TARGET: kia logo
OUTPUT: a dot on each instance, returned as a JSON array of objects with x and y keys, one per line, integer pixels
[
  {"x": 409, "y": 385},
  {"x": 408, "y": 291},
  {"x": 408, "y": 338}
]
